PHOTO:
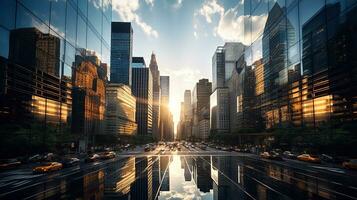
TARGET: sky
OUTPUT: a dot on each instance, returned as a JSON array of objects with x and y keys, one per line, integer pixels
[{"x": 183, "y": 34}]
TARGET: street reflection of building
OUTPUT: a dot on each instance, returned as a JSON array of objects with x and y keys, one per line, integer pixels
[
  {"x": 93, "y": 185},
  {"x": 119, "y": 178},
  {"x": 89, "y": 79},
  {"x": 142, "y": 187},
  {"x": 120, "y": 110},
  {"x": 165, "y": 172},
  {"x": 202, "y": 173}
]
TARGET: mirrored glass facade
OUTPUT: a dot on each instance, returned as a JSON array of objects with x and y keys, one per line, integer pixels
[
  {"x": 303, "y": 61},
  {"x": 40, "y": 43}
]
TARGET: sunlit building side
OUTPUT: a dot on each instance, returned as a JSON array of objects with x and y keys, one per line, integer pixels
[{"x": 120, "y": 111}]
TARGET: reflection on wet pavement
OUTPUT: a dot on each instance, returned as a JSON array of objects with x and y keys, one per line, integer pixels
[{"x": 191, "y": 177}]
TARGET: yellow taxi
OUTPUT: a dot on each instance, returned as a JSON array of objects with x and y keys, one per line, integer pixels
[
  {"x": 48, "y": 167},
  {"x": 308, "y": 158}
]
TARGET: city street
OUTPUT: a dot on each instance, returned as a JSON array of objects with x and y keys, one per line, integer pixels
[{"x": 190, "y": 172}]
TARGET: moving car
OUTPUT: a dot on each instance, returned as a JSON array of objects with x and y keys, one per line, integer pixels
[
  {"x": 92, "y": 158},
  {"x": 48, "y": 167},
  {"x": 108, "y": 155},
  {"x": 308, "y": 158},
  {"x": 351, "y": 164},
  {"x": 9, "y": 164},
  {"x": 275, "y": 156},
  {"x": 289, "y": 155},
  {"x": 265, "y": 155},
  {"x": 70, "y": 162}
]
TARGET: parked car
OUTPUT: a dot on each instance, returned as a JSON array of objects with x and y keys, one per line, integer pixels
[
  {"x": 289, "y": 155},
  {"x": 9, "y": 164},
  {"x": 309, "y": 158},
  {"x": 48, "y": 167},
  {"x": 70, "y": 162},
  {"x": 92, "y": 158},
  {"x": 351, "y": 164}
]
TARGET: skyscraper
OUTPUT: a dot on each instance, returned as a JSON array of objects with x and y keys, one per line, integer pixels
[
  {"x": 157, "y": 95},
  {"x": 142, "y": 90},
  {"x": 39, "y": 44},
  {"x": 223, "y": 65},
  {"x": 166, "y": 120},
  {"x": 121, "y": 53},
  {"x": 200, "y": 108}
]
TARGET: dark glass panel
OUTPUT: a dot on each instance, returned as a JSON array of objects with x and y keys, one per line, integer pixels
[
  {"x": 81, "y": 33},
  {"x": 7, "y": 13},
  {"x": 41, "y": 8},
  {"x": 106, "y": 32},
  {"x": 272, "y": 3},
  {"x": 107, "y": 9},
  {"x": 25, "y": 19},
  {"x": 67, "y": 73},
  {"x": 61, "y": 43},
  {"x": 71, "y": 24},
  {"x": 95, "y": 14},
  {"x": 4, "y": 43},
  {"x": 94, "y": 43},
  {"x": 58, "y": 10},
  {"x": 292, "y": 25},
  {"x": 70, "y": 54},
  {"x": 82, "y": 5}
]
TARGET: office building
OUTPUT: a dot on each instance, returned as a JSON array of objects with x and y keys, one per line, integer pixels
[
  {"x": 121, "y": 53},
  {"x": 200, "y": 107},
  {"x": 39, "y": 43},
  {"x": 120, "y": 111},
  {"x": 142, "y": 89},
  {"x": 157, "y": 97},
  {"x": 167, "y": 133}
]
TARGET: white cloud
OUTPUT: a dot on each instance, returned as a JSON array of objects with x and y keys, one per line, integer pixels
[
  {"x": 126, "y": 9},
  {"x": 195, "y": 34},
  {"x": 178, "y": 4},
  {"x": 230, "y": 25},
  {"x": 210, "y": 8},
  {"x": 150, "y": 2}
]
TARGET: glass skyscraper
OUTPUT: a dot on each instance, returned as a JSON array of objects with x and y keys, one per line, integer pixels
[
  {"x": 302, "y": 62},
  {"x": 41, "y": 41},
  {"x": 121, "y": 52}
]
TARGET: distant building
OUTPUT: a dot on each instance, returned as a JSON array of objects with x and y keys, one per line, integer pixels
[
  {"x": 120, "y": 110},
  {"x": 200, "y": 108},
  {"x": 138, "y": 62},
  {"x": 121, "y": 53},
  {"x": 142, "y": 89},
  {"x": 166, "y": 118},
  {"x": 219, "y": 111}
]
